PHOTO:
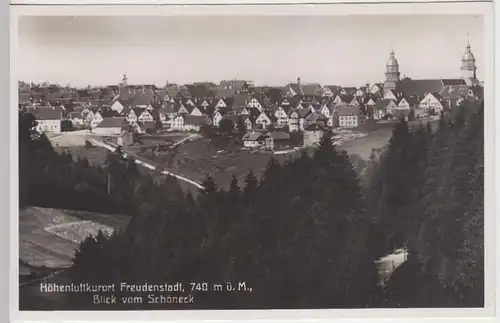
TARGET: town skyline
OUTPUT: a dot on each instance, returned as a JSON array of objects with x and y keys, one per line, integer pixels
[{"x": 193, "y": 52}]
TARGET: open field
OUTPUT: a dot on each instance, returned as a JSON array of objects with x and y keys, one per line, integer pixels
[
  {"x": 49, "y": 237},
  {"x": 363, "y": 146},
  {"x": 195, "y": 160},
  {"x": 198, "y": 159}
]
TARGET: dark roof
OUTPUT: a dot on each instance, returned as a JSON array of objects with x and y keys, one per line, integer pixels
[
  {"x": 196, "y": 120},
  {"x": 224, "y": 93},
  {"x": 350, "y": 90},
  {"x": 239, "y": 110},
  {"x": 315, "y": 116},
  {"x": 241, "y": 100},
  {"x": 478, "y": 91},
  {"x": 422, "y": 87},
  {"x": 333, "y": 88},
  {"x": 113, "y": 122},
  {"x": 172, "y": 90},
  {"x": 311, "y": 89},
  {"x": 233, "y": 117},
  {"x": 252, "y": 136},
  {"x": 348, "y": 111},
  {"x": 48, "y": 113},
  {"x": 315, "y": 127},
  {"x": 145, "y": 97},
  {"x": 295, "y": 87},
  {"x": 184, "y": 92},
  {"x": 24, "y": 96},
  {"x": 254, "y": 111},
  {"x": 279, "y": 135},
  {"x": 303, "y": 112},
  {"x": 447, "y": 82},
  {"x": 382, "y": 104}
]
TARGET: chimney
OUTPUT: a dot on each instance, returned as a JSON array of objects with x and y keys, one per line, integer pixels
[{"x": 298, "y": 80}]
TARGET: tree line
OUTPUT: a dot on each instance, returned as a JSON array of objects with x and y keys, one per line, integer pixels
[
  {"x": 58, "y": 180},
  {"x": 426, "y": 192},
  {"x": 305, "y": 234}
]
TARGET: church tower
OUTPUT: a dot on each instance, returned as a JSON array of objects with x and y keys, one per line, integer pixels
[
  {"x": 124, "y": 82},
  {"x": 391, "y": 73},
  {"x": 469, "y": 67}
]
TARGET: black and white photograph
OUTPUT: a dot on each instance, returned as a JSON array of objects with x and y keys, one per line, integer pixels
[{"x": 251, "y": 162}]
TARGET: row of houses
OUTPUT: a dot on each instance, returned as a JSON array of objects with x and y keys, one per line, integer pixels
[{"x": 300, "y": 106}]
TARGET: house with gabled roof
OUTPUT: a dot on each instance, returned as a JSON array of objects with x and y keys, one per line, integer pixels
[
  {"x": 195, "y": 111},
  {"x": 117, "y": 106},
  {"x": 253, "y": 139},
  {"x": 354, "y": 102},
  {"x": 276, "y": 139},
  {"x": 293, "y": 120},
  {"x": 263, "y": 120},
  {"x": 48, "y": 119},
  {"x": 370, "y": 102},
  {"x": 96, "y": 120},
  {"x": 145, "y": 116},
  {"x": 291, "y": 90},
  {"x": 254, "y": 103},
  {"x": 431, "y": 103},
  {"x": 76, "y": 116},
  {"x": 281, "y": 117},
  {"x": 204, "y": 104},
  {"x": 389, "y": 94},
  {"x": 315, "y": 117},
  {"x": 220, "y": 104},
  {"x": 403, "y": 104},
  {"x": 326, "y": 109},
  {"x": 216, "y": 118},
  {"x": 349, "y": 117},
  {"x": 166, "y": 111},
  {"x": 241, "y": 111},
  {"x": 338, "y": 99},
  {"x": 131, "y": 116},
  {"x": 248, "y": 121},
  {"x": 348, "y": 91},
  {"x": 176, "y": 122},
  {"x": 110, "y": 126},
  {"x": 383, "y": 107},
  {"x": 286, "y": 102},
  {"x": 375, "y": 88},
  {"x": 181, "y": 109},
  {"x": 194, "y": 123},
  {"x": 330, "y": 91},
  {"x": 360, "y": 92}
]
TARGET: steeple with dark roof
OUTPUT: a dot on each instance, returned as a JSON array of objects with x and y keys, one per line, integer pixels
[{"x": 391, "y": 72}]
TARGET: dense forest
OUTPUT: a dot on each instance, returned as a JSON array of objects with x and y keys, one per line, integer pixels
[{"x": 305, "y": 234}]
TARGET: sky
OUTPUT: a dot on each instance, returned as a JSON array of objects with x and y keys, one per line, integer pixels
[{"x": 271, "y": 50}]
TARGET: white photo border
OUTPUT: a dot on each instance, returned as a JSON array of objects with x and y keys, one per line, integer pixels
[{"x": 364, "y": 315}]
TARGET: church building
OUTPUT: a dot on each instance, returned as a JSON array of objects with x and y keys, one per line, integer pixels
[{"x": 394, "y": 86}]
